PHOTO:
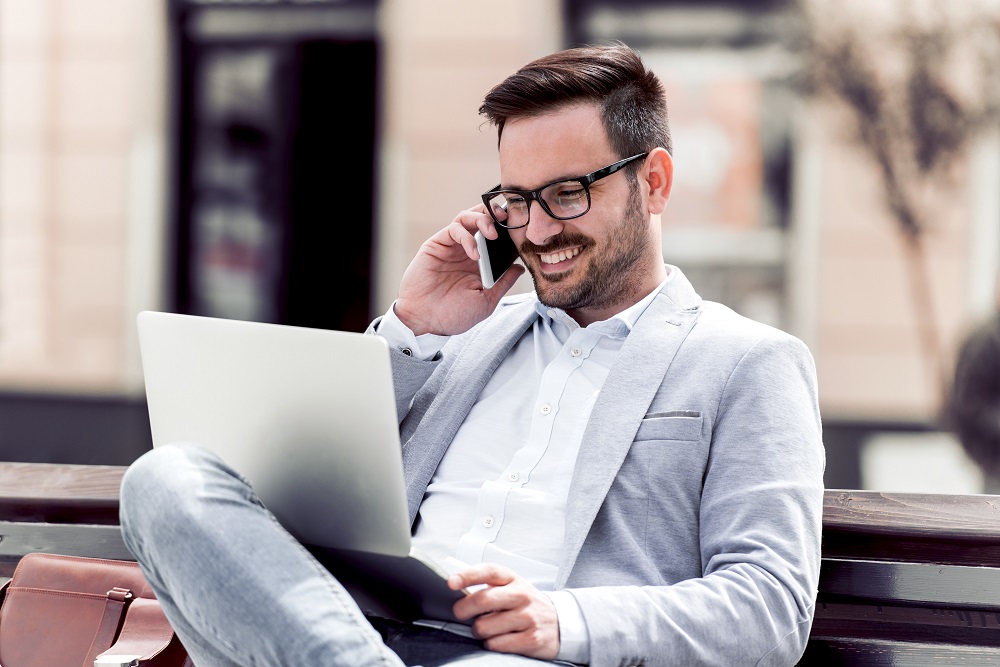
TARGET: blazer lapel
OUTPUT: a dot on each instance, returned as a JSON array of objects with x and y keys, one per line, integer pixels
[
  {"x": 464, "y": 382},
  {"x": 628, "y": 391}
]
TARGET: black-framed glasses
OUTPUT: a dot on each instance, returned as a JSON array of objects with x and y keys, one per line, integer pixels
[{"x": 564, "y": 199}]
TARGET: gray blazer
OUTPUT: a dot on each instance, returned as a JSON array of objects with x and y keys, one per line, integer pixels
[{"x": 694, "y": 515}]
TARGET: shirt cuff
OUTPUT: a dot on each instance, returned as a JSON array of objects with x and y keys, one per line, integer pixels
[
  {"x": 574, "y": 638},
  {"x": 424, "y": 347}
]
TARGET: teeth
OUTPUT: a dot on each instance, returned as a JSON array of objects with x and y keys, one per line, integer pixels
[{"x": 561, "y": 256}]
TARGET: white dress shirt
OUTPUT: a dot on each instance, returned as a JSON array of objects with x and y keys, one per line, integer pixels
[{"x": 499, "y": 494}]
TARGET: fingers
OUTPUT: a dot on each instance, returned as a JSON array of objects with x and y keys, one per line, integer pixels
[
  {"x": 477, "y": 219},
  {"x": 486, "y": 604},
  {"x": 492, "y": 598},
  {"x": 494, "y": 626},
  {"x": 459, "y": 235},
  {"x": 502, "y": 286},
  {"x": 489, "y": 574},
  {"x": 535, "y": 643},
  {"x": 508, "y": 279},
  {"x": 512, "y": 617},
  {"x": 466, "y": 224}
]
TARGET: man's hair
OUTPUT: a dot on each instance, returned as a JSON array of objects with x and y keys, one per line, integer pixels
[{"x": 633, "y": 105}]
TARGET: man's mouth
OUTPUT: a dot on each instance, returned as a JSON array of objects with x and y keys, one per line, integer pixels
[{"x": 559, "y": 255}]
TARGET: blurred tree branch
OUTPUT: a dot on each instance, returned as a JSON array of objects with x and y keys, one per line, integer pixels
[{"x": 920, "y": 86}]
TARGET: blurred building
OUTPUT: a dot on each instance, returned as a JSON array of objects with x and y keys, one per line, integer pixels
[{"x": 282, "y": 161}]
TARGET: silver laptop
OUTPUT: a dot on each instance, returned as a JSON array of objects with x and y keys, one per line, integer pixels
[{"x": 309, "y": 417}]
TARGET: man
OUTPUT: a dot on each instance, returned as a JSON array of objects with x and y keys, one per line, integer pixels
[
  {"x": 973, "y": 406},
  {"x": 623, "y": 473}
]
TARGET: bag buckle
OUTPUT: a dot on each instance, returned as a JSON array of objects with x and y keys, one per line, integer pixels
[
  {"x": 119, "y": 594},
  {"x": 117, "y": 661}
]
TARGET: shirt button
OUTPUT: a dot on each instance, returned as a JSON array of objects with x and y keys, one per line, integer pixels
[
  {"x": 576, "y": 352},
  {"x": 513, "y": 476},
  {"x": 552, "y": 313},
  {"x": 546, "y": 409},
  {"x": 488, "y": 521}
]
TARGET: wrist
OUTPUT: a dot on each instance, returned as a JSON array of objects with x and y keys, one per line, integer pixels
[{"x": 410, "y": 320}]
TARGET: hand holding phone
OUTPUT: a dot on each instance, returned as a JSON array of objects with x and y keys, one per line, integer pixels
[
  {"x": 439, "y": 292},
  {"x": 495, "y": 256}
]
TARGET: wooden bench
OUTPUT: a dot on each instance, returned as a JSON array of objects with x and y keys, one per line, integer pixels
[
  {"x": 907, "y": 579},
  {"x": 67, "y": 509}
]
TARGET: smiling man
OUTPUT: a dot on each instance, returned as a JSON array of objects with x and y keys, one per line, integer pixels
[{"x": 623, "y": 473}]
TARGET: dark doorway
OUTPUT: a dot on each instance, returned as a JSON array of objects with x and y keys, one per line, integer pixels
[
  {"x": 330, "y": 241},
  {"x": 275, "y": 127}
]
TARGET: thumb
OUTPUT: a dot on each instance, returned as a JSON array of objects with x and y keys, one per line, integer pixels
[{"x": 502, "y": 286}]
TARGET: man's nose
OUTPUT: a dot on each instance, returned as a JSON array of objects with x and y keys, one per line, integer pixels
[{"x": 541, "y": 226}]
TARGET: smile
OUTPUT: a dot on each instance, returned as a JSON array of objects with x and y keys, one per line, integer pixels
[{"x": 560, "y": 256}]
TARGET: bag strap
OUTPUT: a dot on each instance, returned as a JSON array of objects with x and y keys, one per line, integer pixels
[
  {"x": 3, "y": 592},
  {"x": 146, "y": 633},
  {"x": 114, "y": 607}
]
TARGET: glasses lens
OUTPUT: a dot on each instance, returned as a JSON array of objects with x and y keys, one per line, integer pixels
[
  {"x": 509, "y": 209},
  {"x": 568, "y": 199}
]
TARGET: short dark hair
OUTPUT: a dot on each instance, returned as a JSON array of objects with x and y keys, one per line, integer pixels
[{"x": 633, "y": 105}]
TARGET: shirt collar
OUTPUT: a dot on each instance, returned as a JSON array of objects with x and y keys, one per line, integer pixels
[{"x": 620, "y": 324}]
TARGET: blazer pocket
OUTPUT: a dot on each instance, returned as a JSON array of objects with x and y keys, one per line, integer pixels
[{"x": 676, "y": 425}]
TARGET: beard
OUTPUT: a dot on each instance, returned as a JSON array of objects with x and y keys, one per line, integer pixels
[{"x": 614, "y": 273}]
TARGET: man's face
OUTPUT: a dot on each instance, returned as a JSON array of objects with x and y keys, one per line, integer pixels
[{"x": 602, "y": 261}]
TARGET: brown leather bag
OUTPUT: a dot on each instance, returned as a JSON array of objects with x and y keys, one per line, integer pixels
[{"x": 65, "y": 611}]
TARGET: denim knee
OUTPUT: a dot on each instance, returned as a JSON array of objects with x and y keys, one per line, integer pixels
[{"x": 153, "y": 485}]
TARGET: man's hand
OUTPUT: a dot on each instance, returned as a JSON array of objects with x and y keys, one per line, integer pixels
[
  {"x": 441, "y": 292},
  {"x": 512, "y": 616}
]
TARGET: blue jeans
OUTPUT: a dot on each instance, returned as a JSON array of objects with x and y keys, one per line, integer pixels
[{"x": 241, "y": 592}]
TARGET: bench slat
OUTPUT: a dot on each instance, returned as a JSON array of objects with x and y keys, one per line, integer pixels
[
  {"x": 913, "y": 514},
  {"x": 44, "y": 492},
  {"x": 18, "y": 538},
  {"x": 952, "y": 586},
  {"x": 834, "y": 612},
  {"x": 889, "y": 653}
]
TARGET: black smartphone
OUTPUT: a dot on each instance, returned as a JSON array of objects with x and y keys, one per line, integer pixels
[{"x": 496, "y": 256}]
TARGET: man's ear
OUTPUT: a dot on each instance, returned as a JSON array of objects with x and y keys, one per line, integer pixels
[{"x": 659, "y": 179}]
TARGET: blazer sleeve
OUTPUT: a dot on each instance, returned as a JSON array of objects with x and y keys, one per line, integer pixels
[
  {"x": 409, "y": 374},
  {"x": 759, "y": 524}
]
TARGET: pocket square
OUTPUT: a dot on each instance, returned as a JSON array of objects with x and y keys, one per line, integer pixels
[
  {"x": 671, "y": 425},
  {"x": 673, "y": 413}
]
